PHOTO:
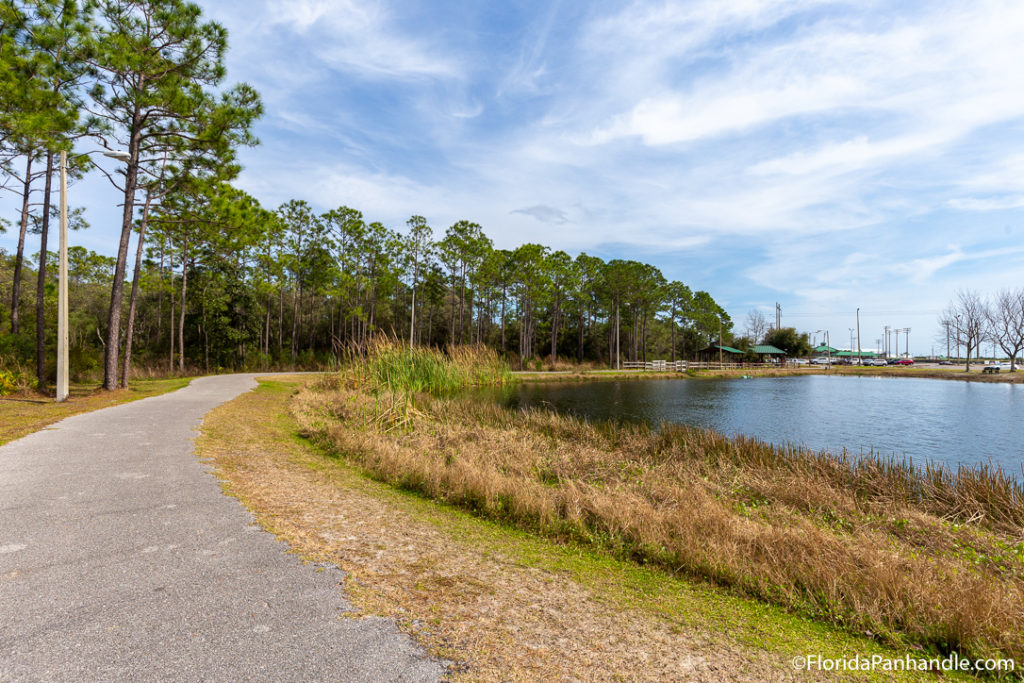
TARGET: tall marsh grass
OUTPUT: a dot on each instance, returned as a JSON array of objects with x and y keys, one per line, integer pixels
[
  {"x": 395, "y": 367},
  {"x": 932, "y": 558}
]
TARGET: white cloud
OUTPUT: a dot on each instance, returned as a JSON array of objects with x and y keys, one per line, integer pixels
[
  {"x": 987, "y": 204},
  {"x": 363, "y": 38}
]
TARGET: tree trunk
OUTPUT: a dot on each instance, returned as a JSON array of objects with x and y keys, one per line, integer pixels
[
  {"x": 295, "y": 317},
  {"x": 280, "y": 324},
  {"x": 41, "y": 280},
  {"x": 160, "y": 292},
  {"x": 643, "y": 338},
  {"x": 462, "y": 301},
  {"x": 206, "y": 341},
  {"x": 181, "y": 312},
  {"x": 133, "y": 299},
  {"x": 504, "y": 295},
  {"x": 170, "y": 321},
  {"x": 554, "y": 334},
  {"x": 113, "y": 343},
  {"x": 673, "y": 335},
  {"x": 579, "y": 351},
  {"x": 20, "y": 257}
]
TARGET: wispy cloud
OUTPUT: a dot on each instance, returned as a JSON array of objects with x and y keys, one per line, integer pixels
[{"x": 363, "y": 38}]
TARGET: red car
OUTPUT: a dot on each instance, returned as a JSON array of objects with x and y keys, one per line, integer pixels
[{"x": 904, "y": 361}]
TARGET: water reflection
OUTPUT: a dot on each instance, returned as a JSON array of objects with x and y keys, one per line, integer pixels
[{"x": 943, "y": 421}]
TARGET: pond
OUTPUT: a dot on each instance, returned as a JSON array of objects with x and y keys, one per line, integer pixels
[{"x": 922, "y": 419}]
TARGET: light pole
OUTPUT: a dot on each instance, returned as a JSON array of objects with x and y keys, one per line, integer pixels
[
  {"x": 859, "y": 360},
  {"x": 957, "y": 338},
  {"x": 62, "y": 285},
  {"x": 828, "y": 347},
  {"x": 906, "y": 342}
]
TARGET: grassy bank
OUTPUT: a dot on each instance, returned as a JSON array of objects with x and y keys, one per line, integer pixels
[
  {"x": 958, "y": 374},
  {"x": 501, "y": 603},
  {"x": 931, "y": 558},
  {"x": 28, "y": 411}
]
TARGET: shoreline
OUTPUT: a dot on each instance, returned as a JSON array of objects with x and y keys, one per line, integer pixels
[{"x": 586, "y": 375}]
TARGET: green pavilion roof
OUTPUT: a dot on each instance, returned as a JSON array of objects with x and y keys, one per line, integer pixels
[
  {"x": 727, "y": 349},
  {"x": 768, "y": 349}
]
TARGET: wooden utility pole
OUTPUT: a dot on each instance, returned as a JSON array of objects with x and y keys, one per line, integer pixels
[{"x": 62, "y": 286}]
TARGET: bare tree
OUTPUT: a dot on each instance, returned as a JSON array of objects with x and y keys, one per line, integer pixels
[
  {"x": 757, "y": 326},
  {"x": 966, "y": 317},
  {"x": 1005, "y": 323}
]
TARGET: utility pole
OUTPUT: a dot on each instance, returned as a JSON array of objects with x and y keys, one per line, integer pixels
[
  {"x": 897, "y": 331},
  {"x": 885, "y": 350},
  {"x": 947, "y": 340},
  {"x": 720, "y": 341},
  {"x": 62, "y": 286},
  {"x": 778, "y": 316},
  {"x": 957, "y": 317},
  {"x": 906, "y": 337}
]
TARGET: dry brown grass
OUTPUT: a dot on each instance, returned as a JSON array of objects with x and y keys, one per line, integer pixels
[
  {"x": 936, "y": 559},
  {"x": 465, "y": 590}
]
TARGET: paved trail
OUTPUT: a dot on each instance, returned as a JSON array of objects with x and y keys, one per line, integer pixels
[{"x": 121, "y": 559}]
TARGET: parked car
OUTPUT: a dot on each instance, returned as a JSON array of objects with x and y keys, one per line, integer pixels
[
  {"x": 893, "y": 361},
  {"x": 905, "y": 361},
  {"x": 799, "y": 361},
  {"x": 820, "y": 360},
  {"x": 993, "y": 368},
  {"x": 946, "y": 362}
]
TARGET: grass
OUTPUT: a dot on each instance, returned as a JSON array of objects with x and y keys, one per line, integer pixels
[
  {"x": 28, "y": 412},
  {"x": 389, "y": 365},
  {"x": 931, "y": 559},
  {"x": 502, "y": 603}
]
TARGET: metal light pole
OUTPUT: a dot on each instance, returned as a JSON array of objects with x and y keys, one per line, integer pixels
[
  {"x": 828, "y": 346},
  {"x": 859, "y": 360}
]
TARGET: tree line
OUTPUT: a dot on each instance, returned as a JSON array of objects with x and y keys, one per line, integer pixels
[
  {"x": 971, "y": 320},
  {"x": 215, "y": 280}
]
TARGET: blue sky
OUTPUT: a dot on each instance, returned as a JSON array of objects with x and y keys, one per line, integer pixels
[{"x": 823, "y": 155}]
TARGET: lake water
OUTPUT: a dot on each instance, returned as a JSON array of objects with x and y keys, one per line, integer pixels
[{"x": 936, "y": 420}]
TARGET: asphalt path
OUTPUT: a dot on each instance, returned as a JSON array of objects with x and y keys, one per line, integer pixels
[{"x": 121, "y": 559}]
